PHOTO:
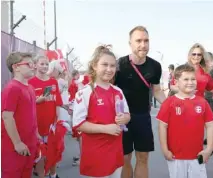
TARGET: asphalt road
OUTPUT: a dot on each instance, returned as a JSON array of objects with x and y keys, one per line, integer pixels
[{"x": 157, "y": 169}]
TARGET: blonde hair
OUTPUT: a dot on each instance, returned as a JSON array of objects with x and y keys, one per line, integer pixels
[
  {"x": 38, "y": 57},
  {"x": 16, "y": 57},
  {"x": 98, "y": 53},
  {"x": 202, "y": 62},
  {"x": 138, "y": 28}
]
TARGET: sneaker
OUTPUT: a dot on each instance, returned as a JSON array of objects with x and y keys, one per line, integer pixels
[
  {"x": 75, "y": 158},
  {"x": 76, "y": 163},
  {"x": 55, "y": 177},
  {"x": 205, "y": 142}
]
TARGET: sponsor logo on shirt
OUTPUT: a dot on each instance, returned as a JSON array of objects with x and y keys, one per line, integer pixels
[
  {"x": 100, "y": 102},
  {"x": 51, "y": 98},
  {"x": 38, "y": 89},
  {"x": 53, "y": 88},
  {"x": 78, "y": 100}
]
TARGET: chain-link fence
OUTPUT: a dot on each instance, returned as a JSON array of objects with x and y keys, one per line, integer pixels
[{"x": 18, "y": 45}]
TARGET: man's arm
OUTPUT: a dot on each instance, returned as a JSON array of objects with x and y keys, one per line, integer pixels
[
  {"x": 174, "y": 88},
  {"x": 158, "y": 93}
]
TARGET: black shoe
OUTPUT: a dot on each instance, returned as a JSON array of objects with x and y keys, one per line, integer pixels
[
  {"x": 35, "y": 174},
  {"x": 75, "y": 159},
  {"x": 55, "y": 177}
]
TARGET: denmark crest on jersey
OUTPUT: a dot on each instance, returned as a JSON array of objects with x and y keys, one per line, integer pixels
[{"x": 198, "y": 109}]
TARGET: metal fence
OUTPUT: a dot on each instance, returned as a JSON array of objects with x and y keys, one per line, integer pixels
[{"x": 18, "y": 45}]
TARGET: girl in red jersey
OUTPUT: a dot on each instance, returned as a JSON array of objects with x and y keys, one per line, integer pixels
[
  {"x": 48, "y": 101},
  {"x": 78, "y": 82},
  {"x": 95, "y": 116},
  {"x": 196, "y": 58}
]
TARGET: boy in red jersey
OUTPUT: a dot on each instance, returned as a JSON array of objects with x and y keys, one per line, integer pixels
[
  {"x": 19, "y": 127},
  {"x": 182, "y": 120},
  {"x": 48, "y": 99}
]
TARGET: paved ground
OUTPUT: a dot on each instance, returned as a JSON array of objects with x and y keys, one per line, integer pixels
[{"x": 158, "y": 167}]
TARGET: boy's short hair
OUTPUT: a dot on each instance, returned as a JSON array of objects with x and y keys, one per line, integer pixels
[
  {"x": 171, "y": 67},
  {"x": 16, "y": 57},
  {"x": 183, "y": 68}
]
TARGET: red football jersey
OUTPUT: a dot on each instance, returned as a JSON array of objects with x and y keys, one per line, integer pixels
[
  {"x": 204, "y": 82},
  {"x": 186, "y": 119},
  {"x": 102, "y": 154},
  {"x": 46, "y": 111},
  {"x": 20, "y": 99},
  {"x": 77, "y": 85}
]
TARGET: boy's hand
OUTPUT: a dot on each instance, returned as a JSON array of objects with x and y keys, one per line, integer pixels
[
  {"x": 113, "y": 129},
  {"x": 168, "y": 155},
  {"x": 206, "y": 154},
  {"x": 122, "y": 118},
  {"x": 22, "y": 149}
]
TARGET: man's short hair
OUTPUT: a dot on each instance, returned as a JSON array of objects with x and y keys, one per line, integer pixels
[
  {"x": 139, "y": 28},
  {"x": 171, "y": 66},
  {"x": 183, "y": 68},
  {"x": 16, "y": 57}
]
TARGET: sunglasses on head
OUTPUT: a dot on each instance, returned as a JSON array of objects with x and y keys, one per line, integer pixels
[{"x": 197, "y": 54}]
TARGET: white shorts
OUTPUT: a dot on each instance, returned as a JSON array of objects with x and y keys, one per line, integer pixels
[
  {"x": 186, "y": 169},
  {"x": 116, "y": 174}
]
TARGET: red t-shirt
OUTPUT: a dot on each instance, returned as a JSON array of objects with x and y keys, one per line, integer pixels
[
  {"x": 46, "y": 111},
  {"x": 102, "y": 154},
  {"x": 20, "y": 99},
  {"x": 204, "y": 82},
  {"x": 73, "y": 88},
  {"x": 186, "y": 119}
]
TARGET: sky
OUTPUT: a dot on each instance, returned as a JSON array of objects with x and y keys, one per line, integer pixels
[{"x": 174, "y": 26}]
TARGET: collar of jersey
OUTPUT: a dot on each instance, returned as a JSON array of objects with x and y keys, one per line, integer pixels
[{"x": 192, "y": 97}]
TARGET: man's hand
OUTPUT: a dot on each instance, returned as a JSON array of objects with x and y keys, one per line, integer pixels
[{"x": 22, "y": 149}]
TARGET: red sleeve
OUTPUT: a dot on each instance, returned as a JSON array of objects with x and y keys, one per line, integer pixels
[
  {"x": 208, "y": 113},
  {"x": 10, "y": 99},
  {"x": 59, "y": 101},
  {"x": 172, "y": 82},
  {"x": 164, "y": 114},
  {"x": 86, "y": 80},
  {"x": 72, "y": 90},
  {"x": 209, "y": 86}
]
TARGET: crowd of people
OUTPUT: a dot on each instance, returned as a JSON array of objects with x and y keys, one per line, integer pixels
[{"x": 107, "y": 110}]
